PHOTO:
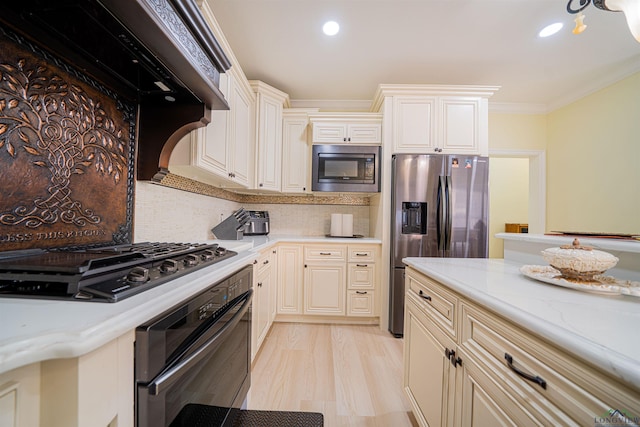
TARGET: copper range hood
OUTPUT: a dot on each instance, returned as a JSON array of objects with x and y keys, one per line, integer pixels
[{"x": 158, "y": 54}]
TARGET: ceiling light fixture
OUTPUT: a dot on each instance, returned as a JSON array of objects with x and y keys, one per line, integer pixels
[
  {"x": 331, "y": 28},
  {"x": 631, "y": 9},
  {"x": 550, "y": 30}
]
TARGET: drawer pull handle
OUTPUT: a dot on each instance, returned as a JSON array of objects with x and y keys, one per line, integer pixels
[
  {"x": 361, "y": 292},
  {"x": 427, "y": 297},
  {"x": 359, "y": 254},
  {"x": 266, "y": 261},
  {"x": 361, "y": 265},
  {"x": 325, "y": 253},
  {"x": 451, "y": 355},
  {"x": 536, "y": 379}
]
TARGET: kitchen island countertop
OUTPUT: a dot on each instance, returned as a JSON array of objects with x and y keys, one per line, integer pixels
[
  {"x": 34, "y": 330},
  {"x": 599, "y": 329}
]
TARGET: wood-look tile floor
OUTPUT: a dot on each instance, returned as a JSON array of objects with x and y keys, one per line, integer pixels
[{"x": 352, "y": 374}]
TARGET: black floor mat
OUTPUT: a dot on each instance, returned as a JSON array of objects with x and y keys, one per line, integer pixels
[
  {"x": 253, "y": 418},
  {"x": 194, "y": 415}
]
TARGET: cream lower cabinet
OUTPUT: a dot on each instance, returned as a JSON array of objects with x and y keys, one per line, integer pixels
[
  {"x": 467, "y": 366},
  {"x": 361, "y": 281},
  {"x": 325, "y": 280},
  {"x": 20, "y": 397},
  {"x": 290, "y": 279},
  {"x": 93, "y": 390},
  {"x": 264, "y": 298}
]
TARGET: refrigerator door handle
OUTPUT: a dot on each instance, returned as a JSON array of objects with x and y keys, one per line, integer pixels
[
  {"x": 441, "y": 209},
  {"x": 448, "y": 218}
]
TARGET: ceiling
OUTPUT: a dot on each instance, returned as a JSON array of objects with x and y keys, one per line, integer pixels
[{"x": 471, "y": 42}]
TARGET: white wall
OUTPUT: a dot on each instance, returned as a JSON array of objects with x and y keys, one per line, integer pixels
[{"x": 509, "y": 197}]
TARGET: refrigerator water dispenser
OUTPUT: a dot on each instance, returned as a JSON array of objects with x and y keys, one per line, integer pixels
[{"x": 414, "y": 218}]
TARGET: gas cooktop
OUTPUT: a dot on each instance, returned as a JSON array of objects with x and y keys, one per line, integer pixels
[{"x": 105, "y": 274}]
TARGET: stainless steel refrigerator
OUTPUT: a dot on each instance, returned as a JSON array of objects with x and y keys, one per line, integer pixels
[{"x": 440, "y": 208}]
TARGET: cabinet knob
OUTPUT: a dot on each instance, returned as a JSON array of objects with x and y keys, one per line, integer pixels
[
  {"x": 260, "y": 284},
  {"x": 260, "y": 185}
]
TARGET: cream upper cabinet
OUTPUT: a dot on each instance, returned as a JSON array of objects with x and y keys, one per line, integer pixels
[
  {"x": 270, "y": 103},
  {"x": 221, "y": 153},
  {"x": 296, "y": 157},
  {"x": 436, "y": 119},
  {"x": 346, "y": 128},
  {"x": 455, "y": 125}
]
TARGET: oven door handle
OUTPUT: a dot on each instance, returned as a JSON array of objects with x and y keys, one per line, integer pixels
[{"x": 172, "y": 375}]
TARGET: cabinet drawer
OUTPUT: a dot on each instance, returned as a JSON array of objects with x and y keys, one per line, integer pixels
[
  {"x": 361, "y": 276},
  {"x": 263, "y": 262},
  {"x": 325, "y": 253},
  {"x": 438, "y": 303},
  {"x": 558, "y": 383},
  {"x": 361, "y": 254},
  {"x": 360, "y": 303}
]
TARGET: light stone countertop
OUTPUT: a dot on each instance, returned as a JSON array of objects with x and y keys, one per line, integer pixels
[
  {"x": 599, "y": 329},
  {"x": 33, "y": 330}
]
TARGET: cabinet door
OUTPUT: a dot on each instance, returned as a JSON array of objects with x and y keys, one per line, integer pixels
[
  {"x": 20, "y": 397},
  {"x": 273, "y": 288},
  {"x": 361, "y": 276},
  {"x": 360, "y": 303},
  {"x": 364, "y": 133},
  {"x": 261, "y": 310},
  {"x": 414, "y": 127},
  {"x": 325, "y": 289},
  {"x": 459, "y": 124},
  {"x": 484, "y": 403},
  {"x": 242, "y": 136},
  {"x": 295, "y": 154},
  {"x": 330, "y": 133},
  {"x": 269, "y": 159},
  {"x": 210, "y": 143},
  {"x": 290, "y": 279},
  {"x": 429, "y": 376}
]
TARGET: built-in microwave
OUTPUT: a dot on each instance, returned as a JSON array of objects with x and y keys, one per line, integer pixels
[{"x": 346, "y": 168}]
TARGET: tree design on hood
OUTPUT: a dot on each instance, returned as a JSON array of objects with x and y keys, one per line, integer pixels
[{"x": 65, "y": 131}]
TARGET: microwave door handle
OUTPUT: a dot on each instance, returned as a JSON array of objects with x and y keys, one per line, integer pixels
[{"x": 167, "y": 378}]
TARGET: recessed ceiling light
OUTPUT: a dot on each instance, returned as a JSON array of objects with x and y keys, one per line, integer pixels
[
  {"x": 550, "y": 30},
  {"x": 331, "y": 28}
]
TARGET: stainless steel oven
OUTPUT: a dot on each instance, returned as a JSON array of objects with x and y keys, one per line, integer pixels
[{"x": 193, "y": 362}]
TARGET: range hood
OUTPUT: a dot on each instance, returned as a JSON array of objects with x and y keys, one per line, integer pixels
[{"x": 158, "y": 54}]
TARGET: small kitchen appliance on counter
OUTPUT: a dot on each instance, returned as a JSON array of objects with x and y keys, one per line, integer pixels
[
  {"x": 232, "y": 228},
  {"x": 258, "y": 223}
]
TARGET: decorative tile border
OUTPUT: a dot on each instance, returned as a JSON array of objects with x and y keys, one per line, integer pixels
[{"x": 187, "y": 184}]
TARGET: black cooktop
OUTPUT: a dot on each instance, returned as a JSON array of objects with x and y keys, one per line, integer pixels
[{"x": 106, "y": 274}]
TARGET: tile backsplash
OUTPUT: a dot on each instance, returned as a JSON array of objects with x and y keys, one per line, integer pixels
[{"x": 167, "y": 214}]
